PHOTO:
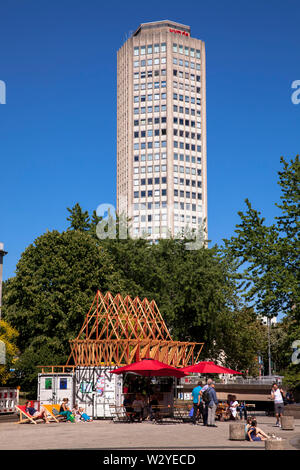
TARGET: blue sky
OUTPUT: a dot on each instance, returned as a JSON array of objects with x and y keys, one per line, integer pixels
[{"x": 58, "y": 126}]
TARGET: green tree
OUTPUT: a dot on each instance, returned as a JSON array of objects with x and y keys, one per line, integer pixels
[
  {"x": 56, "y": 280},
  {"x": 79, "y": 219},
  {"x": 267, "y": 257},
  {"x": 240, "y": 338},
  {"x": 192, "y": 287},
  {"x": 8, "y": 340}
]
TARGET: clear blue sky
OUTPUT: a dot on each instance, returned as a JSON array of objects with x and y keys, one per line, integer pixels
[{"x": 58, "y": 127}]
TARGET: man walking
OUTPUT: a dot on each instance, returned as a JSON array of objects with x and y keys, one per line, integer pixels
[
  {"x": 196, "y": 394},
  {"x": 212, "y": 406},
  {"x": 277, "y": 396}
]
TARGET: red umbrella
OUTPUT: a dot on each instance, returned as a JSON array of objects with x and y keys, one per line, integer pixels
[
  {"x": 151, "y": 368},
  {"x": 207, "y": 367}
]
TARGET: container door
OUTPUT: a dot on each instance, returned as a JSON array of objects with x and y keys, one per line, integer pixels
[
  {"x": 53, "y": 388},
  {"x": 64, "y": 388},
  {"x": 84, "y": 389},
  {"x": 46, "y": 389},
  {"x": 108, "y": 391}
]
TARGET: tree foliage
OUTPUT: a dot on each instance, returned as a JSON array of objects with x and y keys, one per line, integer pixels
[
  {"x": 59, "y": 274},
  {"x": 56, "y": 280},
  {"x": 8, "y": 337},
  {"x": 79, "y": 219},
  {"x": 267, "y": 257}
]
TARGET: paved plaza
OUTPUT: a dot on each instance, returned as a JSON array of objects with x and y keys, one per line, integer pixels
[{"x": 105, "y": 434}]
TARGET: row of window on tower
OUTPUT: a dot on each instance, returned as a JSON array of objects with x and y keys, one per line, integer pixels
[
  {"x": 163, "y": 96},
  {"x": 163, "y": 60},
  {"x": 163, "y": 180},
  {"x": 150, "y": 49},
  {"x": 163, "y": 192},
  {"x": 162, "y": 47},
  {"x": 162, "y": 205},
  {"x": 163, "y": 107},
  {"x": 149, "y": 74},
  {"x": 163, "y": 168}
]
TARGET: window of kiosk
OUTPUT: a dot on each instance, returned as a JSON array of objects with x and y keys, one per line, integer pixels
[
  {"x": 63, "y": 384},
  {"x": 48, "y": 384}
]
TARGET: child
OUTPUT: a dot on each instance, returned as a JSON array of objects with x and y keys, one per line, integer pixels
[
  {"x": 76, "y": 413},
  {"x": 84, "y": 416}
]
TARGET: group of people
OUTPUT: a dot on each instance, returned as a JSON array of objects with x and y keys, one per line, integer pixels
[
  {"x": 205, "y": 403},
  {"x": 137, "y": 408},
  {"x": 75, "y": 415}
]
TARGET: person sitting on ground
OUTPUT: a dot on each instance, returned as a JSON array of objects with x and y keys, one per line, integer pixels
[
  {"x": 254, "y": 433},
  {"x": 84, "y": 417},
  {"x": 35, "y": 414},
  {"x": 247, "y": 425},
  {"x": 65, "y": 411},
  {"x": 76, "y": 413}
]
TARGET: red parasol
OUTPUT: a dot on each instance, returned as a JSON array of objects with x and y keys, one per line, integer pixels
[
  {"x": 151, "y": 368},
  {"x": 208, "y": 367}
]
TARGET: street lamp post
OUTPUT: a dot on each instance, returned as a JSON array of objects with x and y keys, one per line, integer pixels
[
  {"x": 2, "y": 254},
  {"x": 269, "y": 346}
]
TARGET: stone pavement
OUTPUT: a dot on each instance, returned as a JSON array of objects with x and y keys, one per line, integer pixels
[{"x": 146, "y": 435}]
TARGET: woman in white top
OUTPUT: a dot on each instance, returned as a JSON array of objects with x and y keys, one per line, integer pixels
[{"x": 233, "y": 406}]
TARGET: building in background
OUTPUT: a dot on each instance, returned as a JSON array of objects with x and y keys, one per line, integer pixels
[{"x": 161, "y": 130}]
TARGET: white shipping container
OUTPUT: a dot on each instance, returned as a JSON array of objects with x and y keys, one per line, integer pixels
[
  {"x": 52, "y": 388},
  {"x": 92, "y": 388},
  {"x": 96, "y": 389}
]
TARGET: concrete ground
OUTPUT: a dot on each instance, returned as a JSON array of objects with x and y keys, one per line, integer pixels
[{"x": 105, "y": 434}]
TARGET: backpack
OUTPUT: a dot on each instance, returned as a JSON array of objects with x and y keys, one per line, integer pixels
[{"x": 205, "y": 396}]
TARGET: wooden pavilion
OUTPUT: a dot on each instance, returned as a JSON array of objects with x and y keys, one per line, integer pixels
[{"x": 118, "y": 331}]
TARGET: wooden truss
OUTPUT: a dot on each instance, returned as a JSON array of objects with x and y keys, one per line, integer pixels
[{"x": 119, "y": 331}]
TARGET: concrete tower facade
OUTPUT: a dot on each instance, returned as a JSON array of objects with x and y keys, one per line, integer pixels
[{"x": 161, "y": 130}]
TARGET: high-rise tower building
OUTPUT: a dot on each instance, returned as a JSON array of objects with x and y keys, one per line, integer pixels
[{"x": 161, "y": 130}]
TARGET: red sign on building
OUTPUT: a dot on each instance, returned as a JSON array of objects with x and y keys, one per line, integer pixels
[{"x": 177, "y": 31}]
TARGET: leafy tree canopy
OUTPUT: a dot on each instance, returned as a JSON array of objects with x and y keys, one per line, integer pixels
[
  {"x": 267, "y": 257},
  {"x": 9, "y": 350}
]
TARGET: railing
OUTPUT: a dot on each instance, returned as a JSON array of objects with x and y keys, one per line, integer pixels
[
  {"x": 264, "y": 380},
  {"x": 56, "y": 369}
]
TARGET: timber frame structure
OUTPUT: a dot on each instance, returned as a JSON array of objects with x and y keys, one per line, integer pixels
[{"x": 118, "y": 331}]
